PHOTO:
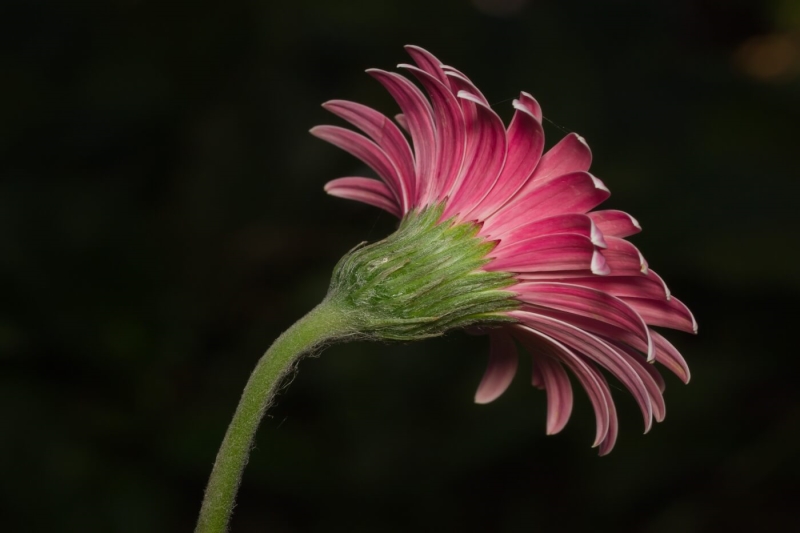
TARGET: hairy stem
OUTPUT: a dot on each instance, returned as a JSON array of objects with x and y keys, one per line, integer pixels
[{"x": 325, "y": 323}]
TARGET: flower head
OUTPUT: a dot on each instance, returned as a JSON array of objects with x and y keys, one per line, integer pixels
[{"x": 496, "y": 231}]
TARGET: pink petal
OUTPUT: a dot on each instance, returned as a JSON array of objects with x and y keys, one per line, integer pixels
[
  {"x": 367, "y": 190},
  {"x": 428, "y": 62},
  {"x": 613, "y": 423},
  {"x": 623, "y": 258},
  {"x": 386, "y": 135},
  {"x": 570, "y": 155},
  {"x": 547, "y": 253},
  {"x": 533, "y": 106},
  {"x": 567, "y": 223},
  {"x": 638, "y": 286},
  {"x": 598, "y": 351},
  {"x": 365, "y": 150},
  {"x": 419, "y": 116},
  {"x": 525, "y": 143},
  {"x": 571, "y": 193},
  {"x": 483, "y": 160},
  {"x": 451, "y": 136},
  {"x": 460, "y": 82},
  {"x": 500, "y": 372},
  {"x": 555, "y": 382},
  {"x": 539, "y": 343},
  {"x": 670, "y": 357},
  {"x": 615, "y": 223},
  {"x": 670, "y": 314},
  {"x": 401, "y": 120},
  {"x": 585, "y": 302},
  {"x": 650, "y": 377}
]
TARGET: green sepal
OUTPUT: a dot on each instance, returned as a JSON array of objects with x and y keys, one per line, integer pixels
[{"x": 421, "y": 281}]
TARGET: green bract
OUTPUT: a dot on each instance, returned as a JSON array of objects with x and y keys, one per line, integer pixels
[{"x": 421, "y": 281}]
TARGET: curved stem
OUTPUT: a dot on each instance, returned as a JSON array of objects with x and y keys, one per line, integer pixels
[{"x": 324, "y": 323}]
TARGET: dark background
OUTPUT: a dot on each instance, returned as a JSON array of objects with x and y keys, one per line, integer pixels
[{"x": 162, "y": 220}]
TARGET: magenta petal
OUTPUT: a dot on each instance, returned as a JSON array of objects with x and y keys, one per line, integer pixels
[
  {"x": 623, "y": 258},
  {"x": 539, "y": 343},
  {"x": 650, "y": 377},
  {"x": 500, "y": 371},
  {"x": 558, "y": 252},
  {"x": 401, "y": 121},
  {"x": 638, "y": 286},
  {"x": 555, "y": 382},
  {"x": 585, "y": 302},
  {"x": 670, "y": 357},
  {"x": 533, "y": 106},
  {"x": 596, "y": 350},
  {"x": 451, "y": 136},
  {"x": 571, "y": 154},
  {"x": 365, "y": 150},
  {"x": 460, "y": 82},
  {"x": 386, "y": 135},
  {"x": 670, "y": 314},
  {"x": 428, "y": 62},
  {"x": 419, "y": 116},
  {"x": 483, "y": 160},
  {"x": 567, "y": 223},
  {"x": 613, "y": 422},
  {"x": 367, "y": 190},
  {"x": 571, "y": 193},
  {"x": 615, "y": 223},
  {"x": 525, "y": 143}
]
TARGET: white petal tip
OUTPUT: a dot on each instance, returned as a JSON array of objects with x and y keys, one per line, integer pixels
[
  {"x": 635, "y": 223},
  {"x": 599, "y": 265},
  {"x": 598, "y": 183},
  {"x": 469, "y": 96},
  {"x": 582, "y": 140},
  {"x": 519, "y": 106}
]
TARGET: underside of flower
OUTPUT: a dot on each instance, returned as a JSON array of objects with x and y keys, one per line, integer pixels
[
  {"x": 423, "y": 280},
  {"x": 496, "y": 231}
]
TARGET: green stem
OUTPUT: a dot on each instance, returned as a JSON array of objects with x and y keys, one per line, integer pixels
[{"x": 325, "y": 323}]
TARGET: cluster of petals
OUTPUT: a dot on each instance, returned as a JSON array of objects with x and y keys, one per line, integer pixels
[{"x": 588, "y": 297}]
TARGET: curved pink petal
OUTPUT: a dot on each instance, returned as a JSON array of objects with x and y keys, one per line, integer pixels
[
  {"x": 615, "y": 223},
  {"x": 365, "y": 150},
  {"x": 427, "y": 62},
  {"x": 598, "y": 351},
  {"x": 460, "y": 82},
  {"x": 670, "y": 357},
  {"x": 585, "y": 302},
  {"x": 500, "y": 371},
  {"x": 530, "y": 102},
  {"x": 637, "y": 286},
  {"x": 570, "y": 154},
  {"x": 558, "y": 252},
  {"x": 670, "y": 313},
  {"x": 571, "y": 193},
  {"x": 386, "y": 135},
  {"x": 483, "y": 159},
  {"x": 623, "y": 258},
  {"x": 539, "y": 343},
  {"x": 419, "y": 117},
  {"x": 567, "y": 223},
  {"x": 650, "y": 376},
  {"x": 554, "y": 380},
  {"x": 401, "y": 121},
  {"x": 366, "y": 190},
  {"x": 525, "y": 143},
  {"x": 451, "y": 136},
  {"x": 613, "y": 422}
]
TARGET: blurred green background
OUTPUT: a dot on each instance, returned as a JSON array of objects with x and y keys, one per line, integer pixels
[{"x": 162, "y": 220}]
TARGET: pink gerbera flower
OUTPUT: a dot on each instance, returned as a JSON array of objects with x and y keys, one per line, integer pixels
[{"x": 578, "y": 296}]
